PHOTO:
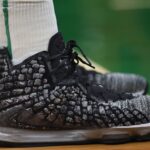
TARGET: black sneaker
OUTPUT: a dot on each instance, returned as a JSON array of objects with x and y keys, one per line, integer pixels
[{"x": 42, "y": 100}]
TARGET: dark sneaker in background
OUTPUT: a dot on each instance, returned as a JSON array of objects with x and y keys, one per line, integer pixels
[
  {"x": 42, "y": 99},
  {"x": 116, "y": 82}
]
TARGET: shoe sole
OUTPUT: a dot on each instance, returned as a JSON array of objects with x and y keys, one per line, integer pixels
[{"x": 107, "y": 136}]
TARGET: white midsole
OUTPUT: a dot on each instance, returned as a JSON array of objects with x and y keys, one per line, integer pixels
[
  {"x": 134, "y": 126},
  {"x": 30, "y": 136}
]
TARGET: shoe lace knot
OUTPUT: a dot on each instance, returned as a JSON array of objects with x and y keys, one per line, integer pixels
[{"x": 70, "y": 47}]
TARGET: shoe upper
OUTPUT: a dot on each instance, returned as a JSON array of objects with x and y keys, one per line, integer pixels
[{"x": 43, "y": 92}]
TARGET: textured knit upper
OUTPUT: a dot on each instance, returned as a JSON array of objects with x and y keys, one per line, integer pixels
[{"x": 31, "y": 98}]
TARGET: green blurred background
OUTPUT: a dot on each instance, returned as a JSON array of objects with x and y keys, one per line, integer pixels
[{"x": 114, "y": 33}]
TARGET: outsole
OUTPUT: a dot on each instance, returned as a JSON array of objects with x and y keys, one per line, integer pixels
[{"x": 18, "y": 137}]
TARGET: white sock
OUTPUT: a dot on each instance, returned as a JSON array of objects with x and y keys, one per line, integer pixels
[
  {"x": 3, "y": 39},
  {"x": 31, "y": 24}
]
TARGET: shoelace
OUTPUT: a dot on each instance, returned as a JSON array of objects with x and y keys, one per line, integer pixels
[
  {"x": 69, "y": 53},
  {"x": 70, "y": 47}
]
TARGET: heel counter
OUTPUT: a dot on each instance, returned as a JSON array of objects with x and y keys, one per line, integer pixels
[{"x": 5, "y": 62}]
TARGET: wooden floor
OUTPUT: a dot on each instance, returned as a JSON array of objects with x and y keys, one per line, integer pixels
[{"x": 130, "y": 146}]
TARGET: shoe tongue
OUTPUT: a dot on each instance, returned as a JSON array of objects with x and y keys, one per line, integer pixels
[{"x": 56, "y": 45}]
